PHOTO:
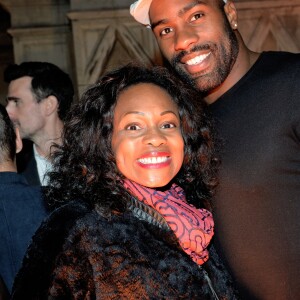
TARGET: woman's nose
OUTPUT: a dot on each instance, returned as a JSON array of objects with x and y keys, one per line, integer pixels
[{"x": 154, "y": 137}]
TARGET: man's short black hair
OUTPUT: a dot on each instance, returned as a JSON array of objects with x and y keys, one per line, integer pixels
[{"x": 47, "y": 80}]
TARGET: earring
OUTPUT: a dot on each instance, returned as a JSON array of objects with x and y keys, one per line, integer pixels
[{"x": 235, "y": 25}]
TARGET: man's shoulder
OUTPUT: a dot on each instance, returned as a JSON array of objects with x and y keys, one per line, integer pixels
[
  {"x": 276, "y": 67},
  {"x": 21, "y": 200},
  {"x": 281, "y": 58},
  {"x": 17, "y": 184}
]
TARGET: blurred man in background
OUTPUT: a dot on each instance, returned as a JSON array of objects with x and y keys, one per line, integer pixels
[{"x": 39, "y": 97}]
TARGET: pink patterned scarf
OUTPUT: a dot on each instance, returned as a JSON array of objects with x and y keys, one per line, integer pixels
[{"x": 193, "y": 227}]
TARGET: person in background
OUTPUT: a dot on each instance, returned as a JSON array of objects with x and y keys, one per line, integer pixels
[
  {"x": 254, "y": 99},
  {"x": 39, "y": 97},
  {"x": 128, "y": 190},
  {"x": 21, "y": 206}
]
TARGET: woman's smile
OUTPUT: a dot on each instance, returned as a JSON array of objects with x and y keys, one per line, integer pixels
[{"x": 155, "y": 160}]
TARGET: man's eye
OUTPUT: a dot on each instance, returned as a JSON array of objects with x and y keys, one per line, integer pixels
[
  {"x": 133, "y": 127},
  {"x": 197, "y": 16},
  {"x": 166, "y": 31}
]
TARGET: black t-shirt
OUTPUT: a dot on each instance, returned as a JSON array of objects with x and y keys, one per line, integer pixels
[{"x": 257, "y": 206}]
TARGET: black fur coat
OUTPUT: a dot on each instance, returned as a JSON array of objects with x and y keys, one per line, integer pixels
[{"x": 78, "y": 254}]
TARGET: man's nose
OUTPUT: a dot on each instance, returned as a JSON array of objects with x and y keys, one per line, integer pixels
[
  {"x": 185, "y": 38},
  {"x": 10, "y": 110}
]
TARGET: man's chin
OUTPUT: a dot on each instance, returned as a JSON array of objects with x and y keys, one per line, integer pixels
[
  {"x": 203, "y": 83},
  {"x": 184, "y": 76},
  {"x": 198, "y": 82}
]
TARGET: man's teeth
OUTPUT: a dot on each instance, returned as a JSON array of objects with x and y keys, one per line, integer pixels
[
  {"x": 153, "y": 160},
  {"x": 197, "y": 60}
]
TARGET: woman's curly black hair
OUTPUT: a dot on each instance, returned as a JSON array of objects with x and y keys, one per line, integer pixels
[{"x": 84, "y": 165}]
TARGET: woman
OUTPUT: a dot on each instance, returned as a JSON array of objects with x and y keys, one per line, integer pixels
[{"x": 137, "y": 152}]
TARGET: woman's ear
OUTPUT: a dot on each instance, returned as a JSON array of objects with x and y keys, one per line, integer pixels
[
  {"x": 19, "y": 143},
  {"x": 231, "y": 13}
]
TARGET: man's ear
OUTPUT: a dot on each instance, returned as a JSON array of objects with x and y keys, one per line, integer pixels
[
  {"x": 50, "y": 105},
  {"x": 19, "y": 143},
  {"x": 231, "y": 13}
]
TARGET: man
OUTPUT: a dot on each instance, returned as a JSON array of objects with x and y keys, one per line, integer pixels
[
  {"x": 21, "y": 206},
  {"x": 39, "y": 97},
  {"x": 254, "y": 99}
]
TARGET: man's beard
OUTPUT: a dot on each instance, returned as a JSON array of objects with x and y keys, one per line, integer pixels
[{"x": 225, "y": 54}]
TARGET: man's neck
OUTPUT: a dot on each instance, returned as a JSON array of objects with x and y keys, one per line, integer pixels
[
  {"x": 44, "y": 150},
  {"x": 8, "y": 166},
  {"x": 45, "y": 140}
]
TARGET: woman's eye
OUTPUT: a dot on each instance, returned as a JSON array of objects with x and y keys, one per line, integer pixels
[
  {"x": 133, "y": 127},
  {"x": 166, "y": 31},
  {"x": 168, "y": 125},
  {"x": 196, "y": 17}
]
